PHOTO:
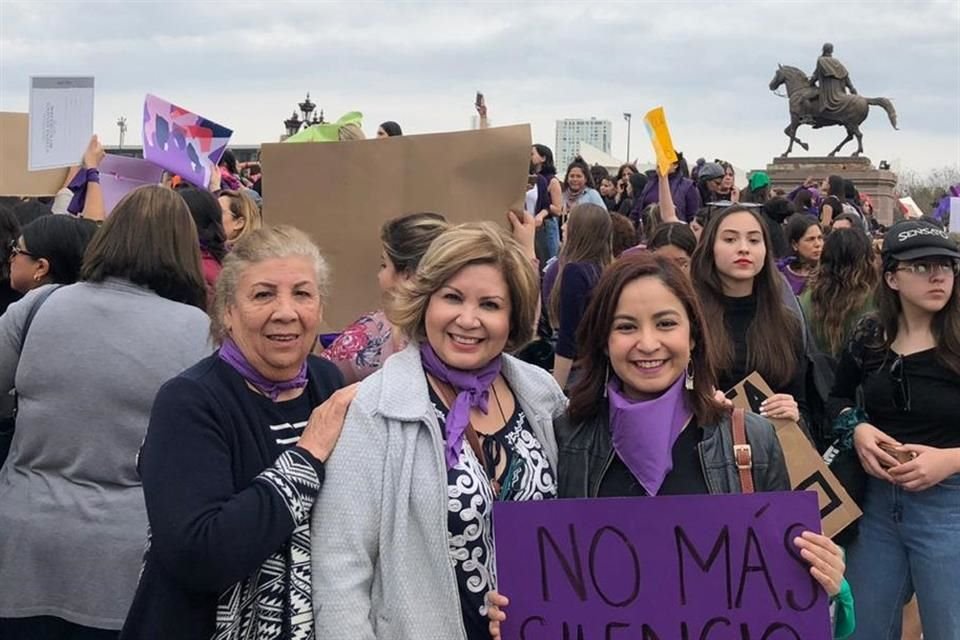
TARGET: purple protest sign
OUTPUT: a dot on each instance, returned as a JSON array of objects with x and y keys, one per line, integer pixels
[
  {"x": 119, "y": 175},
  {"x": 182, "y": 142},
  {"x": 665, "y": 568}
]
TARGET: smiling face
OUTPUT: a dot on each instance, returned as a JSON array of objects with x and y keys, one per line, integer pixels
[
  {"x": 930, "y": 291},
  {"x": 810, "y": 246},
  {"x": 468, "y": 319},
  {"x": 275, "y": 315},
  {"x": 650, "y": 342},
  {"x": 739, "y": 251}
]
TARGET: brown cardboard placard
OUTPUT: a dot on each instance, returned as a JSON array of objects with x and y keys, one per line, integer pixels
[
  {"x": 807, "y": 469},
  {"x": 15, "y": 180},
  {"x": 342, "y": 192}
]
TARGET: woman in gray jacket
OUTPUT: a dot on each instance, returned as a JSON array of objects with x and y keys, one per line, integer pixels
[
  {"x": 402, "y": 534},
  {"x": 72, "y": 517}
]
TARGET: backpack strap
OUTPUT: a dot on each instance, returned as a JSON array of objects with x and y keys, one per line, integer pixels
[
  {"x": 742, "y": 453},
  {"x": 41, "y": 298}
]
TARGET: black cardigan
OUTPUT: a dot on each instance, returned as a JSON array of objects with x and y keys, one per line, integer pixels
[{"x": 212, "y": 524}]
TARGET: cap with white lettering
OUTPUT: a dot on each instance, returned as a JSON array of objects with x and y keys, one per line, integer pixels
[{"x": 913, "y": 239}]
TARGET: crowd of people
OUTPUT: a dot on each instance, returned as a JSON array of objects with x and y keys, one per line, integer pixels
[{"x": 186, "y": 459}]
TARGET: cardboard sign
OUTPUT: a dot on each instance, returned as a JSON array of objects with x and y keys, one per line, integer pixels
[
  {"x": 664, "y": 568},
  {"x": 15, "y": 179},
  {"x": 119, "y": 175},
  {"x": 182, "y": 142},
  {"x": 61, "y": 121},
  {"x": 340, "y": 193},
  {"x": 807, "y": 469},
  {"x": 656, "y": 124}
]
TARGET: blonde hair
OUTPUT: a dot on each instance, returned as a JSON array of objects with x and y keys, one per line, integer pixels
[
  {"x": 243, "y": 207},
  {"x": 267, "y": 243},
  {"x": 459, "y": 247}
]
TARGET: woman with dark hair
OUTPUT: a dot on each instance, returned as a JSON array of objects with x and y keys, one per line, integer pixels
[
  {"x": 831, "y": 206},
  {"x": 775, "y": 212},
  {"x": 587, "y": 250},
  {"x": 72, "y": 516},
  {"x": 607, "y": 186},
  {"x": 686, "y": 198},
  {"x": 578, "y": 187},
  {"x": 624, "y": 234},
  {"x": 675, "y": 241},
  {"x": 229, "y": 171},
  {"x": 9, "y": 232},
  {"x": 549, "y": 203},
  {"x": 643, "y": 420},
  {"x": 598, "y": 173},
  {"x": 905, "y": 359},
  {"x": 389, "y": 129},
  {"x": 747, "y": 300},
  {"x": 840, "y": 290},
  {"x": 49, "y": 251},
  {"x": 208, "y": 217},
  {"x": 805, "y": 238},
  {"x": 361, "y": 349},
  {"x": 634, "y": 186}
]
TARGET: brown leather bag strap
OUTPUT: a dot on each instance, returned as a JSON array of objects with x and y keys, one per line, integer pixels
[{"x": 742, "y": 453}]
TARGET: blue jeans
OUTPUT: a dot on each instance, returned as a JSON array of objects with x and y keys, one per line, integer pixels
[
  {"x": 547, "y": 240},
  {"x": 909, "y": 542}
]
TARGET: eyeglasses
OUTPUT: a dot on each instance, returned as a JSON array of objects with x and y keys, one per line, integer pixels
[
  {"x": 15, "y": 250},
  {"x": 931, "y": 268},
  {"x": 901, "y": 389}
]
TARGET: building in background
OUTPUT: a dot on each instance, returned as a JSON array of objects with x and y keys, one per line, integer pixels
[{"x": 572, "y": 131}]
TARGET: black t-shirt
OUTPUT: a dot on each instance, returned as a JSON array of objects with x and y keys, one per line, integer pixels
[
  {"x": 931, "y": 416},
  {"x": 835, "y": 207},
  {"x": 686, "y": 477}
]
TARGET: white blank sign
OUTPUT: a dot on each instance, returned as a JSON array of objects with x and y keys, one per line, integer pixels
[{"x": 61, "y": 121}]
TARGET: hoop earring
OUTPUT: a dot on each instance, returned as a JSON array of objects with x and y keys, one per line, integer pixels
[{"x": 688, "y": 376}]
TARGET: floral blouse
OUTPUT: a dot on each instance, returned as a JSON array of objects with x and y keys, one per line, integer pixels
[{"x": 364, "y": 346}]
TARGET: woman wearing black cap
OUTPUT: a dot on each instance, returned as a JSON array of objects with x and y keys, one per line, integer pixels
[{"x": 906, "y": 360}]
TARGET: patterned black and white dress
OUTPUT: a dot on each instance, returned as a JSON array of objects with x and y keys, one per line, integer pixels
[
  {"x": 518, "y": 464},
  {"x": 276, "y": 602}
]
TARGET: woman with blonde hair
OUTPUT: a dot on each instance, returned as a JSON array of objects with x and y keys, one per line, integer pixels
[
  {"x": 402, "y": 533},
  {"x": 587, "y": 249},
  {"x": 241, "y": 215}
]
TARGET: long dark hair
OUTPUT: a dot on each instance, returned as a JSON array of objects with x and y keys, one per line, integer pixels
[
  {"x": 841, "y": 284},
  {"x": 586, "y": 396},
  {"x": 548, "y": 168},
  {"x": 767, "y": 350},
  {"x": 150, "y": 240},
  {"x": 208, "y": 216},
  {"x": 945, "y": 325},
  {"x": 9, "y": 232},
  {"x": 579, "y": 163},
  {"x": 837, "y": 188},
  {"x": 796, "y": 227}
]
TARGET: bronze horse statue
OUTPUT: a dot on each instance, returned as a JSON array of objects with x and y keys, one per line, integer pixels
[{"x": 804, "y": 109}]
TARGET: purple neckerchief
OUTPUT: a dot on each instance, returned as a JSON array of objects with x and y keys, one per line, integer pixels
[
  {"x": 473, "y": 390},
  {"x": 79, "y": 187},
  {"x": 231, "y": 354},
  {"x": 644, "y": 432}
]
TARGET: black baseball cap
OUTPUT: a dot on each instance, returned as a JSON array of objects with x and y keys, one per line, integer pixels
[{"x": 913, "y": 239}]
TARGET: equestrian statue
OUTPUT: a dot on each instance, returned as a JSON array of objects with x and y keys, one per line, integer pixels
[{"x": 827, "y": 98}]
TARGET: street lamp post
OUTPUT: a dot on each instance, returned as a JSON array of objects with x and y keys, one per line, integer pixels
[
  {"x": 122, "y": 124},
  {"x": 629, "y": 118},
  {"x": 294, "y": 123}
]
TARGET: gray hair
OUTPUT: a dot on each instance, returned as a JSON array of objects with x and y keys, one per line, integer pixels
[{"x": 267, "y": 243}]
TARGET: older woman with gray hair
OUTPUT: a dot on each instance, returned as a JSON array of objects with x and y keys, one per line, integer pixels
[
  {"x": 234, "y": 457},
  {"x": 402, "y": 536}
]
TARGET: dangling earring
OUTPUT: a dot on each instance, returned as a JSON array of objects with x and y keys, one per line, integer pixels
[
  {"x": 606, "y": 380},
  {"x": 688, "y": 376}
]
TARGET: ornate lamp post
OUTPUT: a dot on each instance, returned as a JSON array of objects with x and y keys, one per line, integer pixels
[
  {"x": 302, "y": 120},
  {"x": 629, "y": 118}
]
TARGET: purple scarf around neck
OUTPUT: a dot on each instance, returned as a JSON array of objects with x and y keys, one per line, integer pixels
[
  {"x": 230, "y": 353},
  {"x": 473, "y": 390},
  {"x": 644, "y": 432}
]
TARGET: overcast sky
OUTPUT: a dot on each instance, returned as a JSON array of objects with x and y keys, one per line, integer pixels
[{"x": 246, "y": 65}]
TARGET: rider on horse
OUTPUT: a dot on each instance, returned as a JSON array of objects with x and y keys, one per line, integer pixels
[{"x": 834, "y": 81}]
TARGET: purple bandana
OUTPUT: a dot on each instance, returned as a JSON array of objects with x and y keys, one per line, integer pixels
[
  {"x": 231, "y": 354},
  {"x": 473, "y": 390},
  {"x": 79, "y": 188},
  {"x": 644, "y": 432}
]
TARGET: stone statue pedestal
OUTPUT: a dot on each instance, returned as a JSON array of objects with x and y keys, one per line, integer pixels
[{"x": 789, "y": 173}]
